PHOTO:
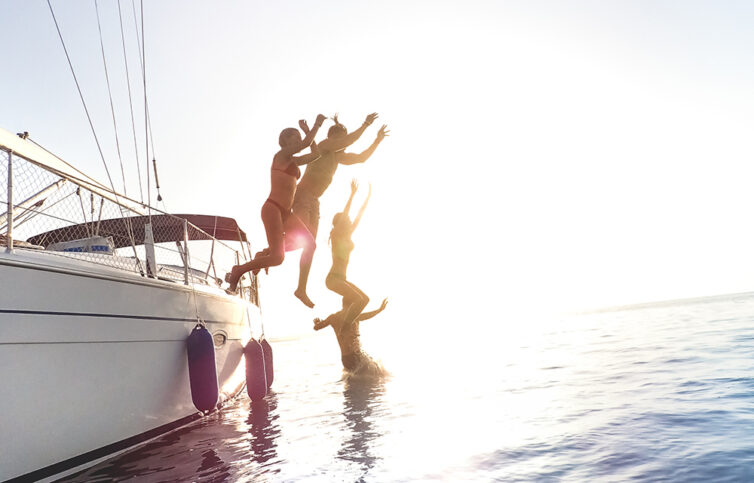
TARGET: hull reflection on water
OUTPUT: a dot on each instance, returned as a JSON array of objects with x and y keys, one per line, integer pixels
[
  {"x": 595, "y": 397},
  {"x": 263, "y": 429}
]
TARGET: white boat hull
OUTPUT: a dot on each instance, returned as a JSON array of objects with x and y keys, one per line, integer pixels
[{"x": 93, "y": 360}]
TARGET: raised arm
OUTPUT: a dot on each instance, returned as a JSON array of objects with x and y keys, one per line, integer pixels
[
  {"x": 339, "y": 144},
  {"x": 354, "y": 187},
  {"x": 293, "y": 148},
  {"x": 308, "y": 158},
  {"x": 350, "y": 158},
  {"x": 361, "y": 211},
  {"x": 368, "y": 315},
  {"x": 304, "y": 126}
]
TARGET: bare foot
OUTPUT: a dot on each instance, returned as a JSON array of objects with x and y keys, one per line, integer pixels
[
  {"x": 232, "y": 278},
  {"x": 301, "y": 295},
  {"x": 320, "y": 324}
]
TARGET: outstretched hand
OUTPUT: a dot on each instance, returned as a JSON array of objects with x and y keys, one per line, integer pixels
[
  {"x": 370, "y": 118},
  {"x": 320, "y": 324},
  {"x": 320, "y": 119},
  {"x": 354, "y": 186},
  {"x": 304, "y": 126},
  {"x": 383, "y": 132},
  {"x": 384, "y": 304}
]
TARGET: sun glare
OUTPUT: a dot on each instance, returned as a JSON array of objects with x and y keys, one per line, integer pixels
[{"x": 530, "y": 162}]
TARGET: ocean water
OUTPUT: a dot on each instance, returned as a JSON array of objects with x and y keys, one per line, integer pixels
[{"x": 651, "y": 393}]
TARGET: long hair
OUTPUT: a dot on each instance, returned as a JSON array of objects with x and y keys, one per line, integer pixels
[{"x": 335, "y": 219}]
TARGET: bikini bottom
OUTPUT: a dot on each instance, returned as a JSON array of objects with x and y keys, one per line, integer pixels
[{"x": 284, "y": 214}]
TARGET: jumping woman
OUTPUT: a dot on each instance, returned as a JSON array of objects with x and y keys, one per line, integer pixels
[
  {"x": 345, "y": 323},
  {"x": 320, "y": 173},
  {"x": 277, "y": 216},
  {"x": 340, "y": 236}
]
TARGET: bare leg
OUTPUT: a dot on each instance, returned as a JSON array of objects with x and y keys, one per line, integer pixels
[
  {"x": 357, "y": 306},
  {"x": 307, "y": 210},
  {"x": 352, "y": 312},
  {"x": 273, "y": 225},
  {"x": 305, "y": 265},
  {"x": 353, "y": 298},
  {"x": 308, "y": 213},
  {"x": 295, "y": 228}
]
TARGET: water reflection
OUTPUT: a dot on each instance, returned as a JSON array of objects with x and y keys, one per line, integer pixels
[
  {"x": 143, "y": 463},
  {"x": 360, "y": 396},
  {"x": 212, "y": 467},
  {"x": 263, "y": 428}
]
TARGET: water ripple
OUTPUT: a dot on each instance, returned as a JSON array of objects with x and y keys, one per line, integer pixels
[{"x": 652, "y": 394}]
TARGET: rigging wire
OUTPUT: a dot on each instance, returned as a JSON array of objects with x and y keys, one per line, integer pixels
[
  {"x": 130, "y": 102},
  {"x": 83, "y": 176},
  {"x": 94, "y": 133},
  {"x": 110, "y": 96},
  {"x": 127, "y": 220},
  {"x": 148, "y": 117},
  {"x": 34, "y": 213},
  {"x": 83, "y": 211},
  {"x": 139, "y": 44},
  {"x": 91, "y": 204},
  {"x": 81, "y": 95},
  {"x": 99, "y": 217},
  {"x": 156, "y": 180}
]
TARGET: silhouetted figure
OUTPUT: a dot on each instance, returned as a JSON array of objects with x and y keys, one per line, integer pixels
[
  {"x": 277, "y": 216},
  {"x": 345, "y": 322},
  {"x": 354, "y": 359},
  {"x": 319, "y": 174},
  {"x": 342, "y": 246}
]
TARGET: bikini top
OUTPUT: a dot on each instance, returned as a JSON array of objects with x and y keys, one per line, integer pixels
[
  {"x": 291, "y": 170},
  {"x": 342, "y": 248}
]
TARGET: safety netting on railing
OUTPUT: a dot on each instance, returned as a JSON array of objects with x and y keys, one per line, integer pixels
[{"x": 64, "y": 218}]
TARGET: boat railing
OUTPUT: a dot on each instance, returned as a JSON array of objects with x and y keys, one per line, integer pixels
[{"x": 41, "y": 210}]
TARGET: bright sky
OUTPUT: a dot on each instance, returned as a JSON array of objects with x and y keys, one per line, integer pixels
[{"x": 548, "y": 155}]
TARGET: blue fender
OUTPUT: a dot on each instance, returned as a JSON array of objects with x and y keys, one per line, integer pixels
[
  {"x": 256, "y": 376},
  {"x": 267, "y": 350},
  {"x": 202, "y": 370}
]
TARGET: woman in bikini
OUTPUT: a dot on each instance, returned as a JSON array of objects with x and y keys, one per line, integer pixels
[
  {"x": 340, "y": 236},
  {"x": 346, "y": 322},
  {"x": 277, "y": 216}
]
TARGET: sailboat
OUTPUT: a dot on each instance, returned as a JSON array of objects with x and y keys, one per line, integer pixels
[
  {"x": 95, "y": 311},
  {"x": 98, "y": 294}
]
